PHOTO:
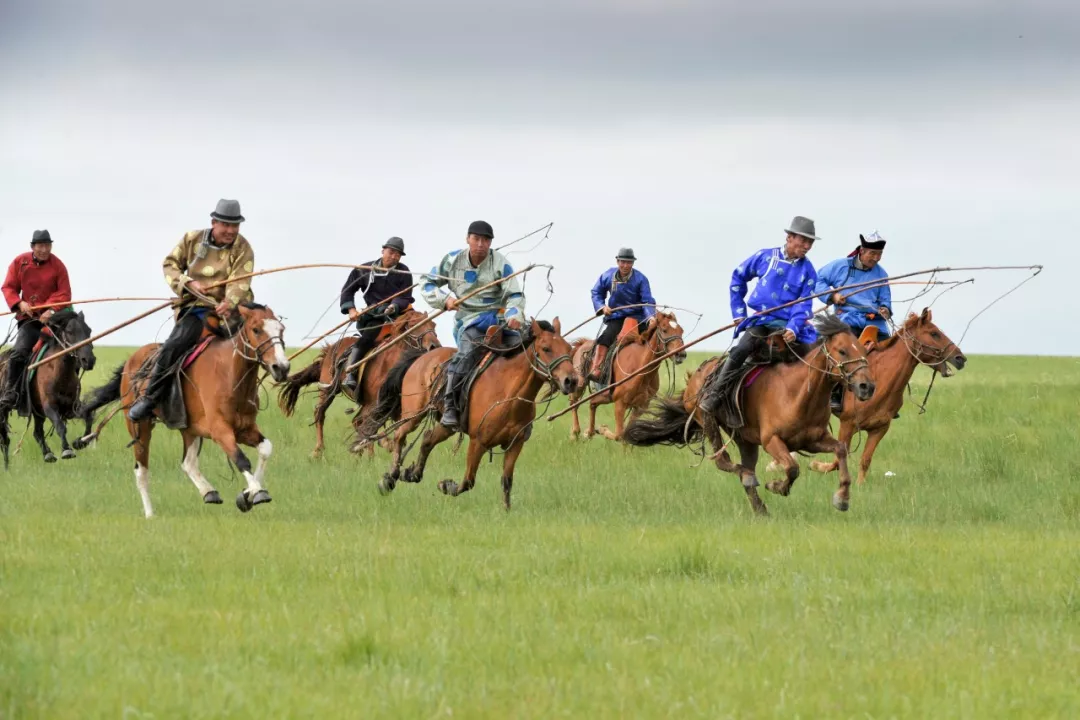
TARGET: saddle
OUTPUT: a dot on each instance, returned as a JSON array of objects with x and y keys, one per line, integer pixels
[
  {"x": 627, "y": 334},
  {"x": 172, "y": 408},
  {"x": 342, "y": 360},
  {"x": 869, "y": 336},
  {"x": 479, "y": 360},
  {"x": 773, "y": 350}
]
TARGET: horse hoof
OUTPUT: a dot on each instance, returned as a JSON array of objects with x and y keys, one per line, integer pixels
[
  {"x": 387, "y": 485},
  {"x": 67, "y": 454},
  {"x": 412, "y": 476},
  {"x": 447, "y": 487},
  {"x": 242, "y": 502},
  {"x": 260, "y": 497},
  {"x": 775, "y": 486},
  {"x": 839, "y": 503},
  {"x": 50, "y": 458},
  {"x": 212, "y": 498}
]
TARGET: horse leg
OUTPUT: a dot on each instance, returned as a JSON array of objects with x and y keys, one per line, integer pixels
[
  {"x": 39, "y": 436},
  {"x": 5, "y": 440},
  {"x": 397, "y": 446},
  {"x": 475, "y": 455},
  {"x": 253, "y": 494},
  {"x": 61, "y": 429},
  {"x": 439, "y": 432},
  {"x": 829, "y": 444},
  {"x": 254, "y": 438},
  {"x": 746, "y": 476},
  {"x": 509, "y": 460},
  {"x": 190, "y": 466},
  {"x": 326, "y": 399},
  {"x": 620, "y": 413},
  {"x": 847, "y": 431},
  {"x": 782, "y": 455},
  {"x": 873, "y": 437},
  {"x": 575, "y": 427},
  {"x": 140, "y": 435},
  {"x": 592, "y": 422}
]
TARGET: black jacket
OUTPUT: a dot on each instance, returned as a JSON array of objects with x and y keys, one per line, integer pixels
[{"x": 376, "y": 287}]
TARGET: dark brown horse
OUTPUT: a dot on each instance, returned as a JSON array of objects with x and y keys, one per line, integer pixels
[
  {"x": 786, "y": 410},
  {"x": 326, "y": 369},
  {"x": 501, "y": 405},
  {"x": 635, "y": 352},
  {"x": 53, "y": 390},
  {"x": 220, "y": 390},
  {"x": 892, "y": 362}
]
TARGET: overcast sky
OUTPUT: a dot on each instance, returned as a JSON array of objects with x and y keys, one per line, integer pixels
[{"x": 690, "y": 131}]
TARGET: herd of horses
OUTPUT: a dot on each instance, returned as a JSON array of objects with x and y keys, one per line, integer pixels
[{"x": 785, "y": 405}]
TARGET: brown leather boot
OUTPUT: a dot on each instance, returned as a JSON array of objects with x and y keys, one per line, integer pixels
[{"x": 597, "y": 362}]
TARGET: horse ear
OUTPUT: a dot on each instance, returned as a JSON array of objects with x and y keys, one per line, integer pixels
[
  {"x": 81, "y": 316},
  {"x": 926, "y": 315},
  {"x": 557, "y": 325}
]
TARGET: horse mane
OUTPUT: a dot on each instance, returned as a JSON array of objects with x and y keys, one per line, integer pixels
[
  {"x": 527, "y": 339},
  {"x": 827, "y": 326}
]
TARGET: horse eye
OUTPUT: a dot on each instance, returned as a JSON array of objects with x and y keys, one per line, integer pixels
[
  {"x": 843, "y": 353},
  {"x": 258, "y": 331},
  {"x": 935, "y": 335}
]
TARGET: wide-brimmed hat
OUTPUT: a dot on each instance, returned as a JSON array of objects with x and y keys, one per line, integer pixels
[
  {"x": 626, "y": 254},
  {"x": 482, "y": 228},
  {"x": 228, "y": 211},
  {"x": 802, "y": 226},
  {"x": 395, "y": 243},
  {"x": 41, "y": 236}
]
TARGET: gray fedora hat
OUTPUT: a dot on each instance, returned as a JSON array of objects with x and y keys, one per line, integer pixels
[
  {"x": 228, "y": 211},
  {"x": 395, "y": 243},
  {"x": 626, "y": 254},
  {"x": 41, "y": 236},
  {"x": 802, "y": 226}
]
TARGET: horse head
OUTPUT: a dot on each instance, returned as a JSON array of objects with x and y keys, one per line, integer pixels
[
  {"x": 845, "y": 357},
  {"x": 551, "y": 355},
  {"x": 929, "y": 345},
  {"x": 420, "y": 329},
  {"x": 669, "y": 334},
  {"x": 70, "y": 328},
  {"x": 262, "y": 335}
]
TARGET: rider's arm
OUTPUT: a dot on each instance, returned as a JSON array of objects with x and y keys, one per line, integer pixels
[
  {"x": 399, "y": 282},
  {"x": 599, "y": 292},
  {"x": 62, "y": 293},
  {"x": 825, "y": 282},
  {"x": 885, "y": 294},
  {"x": 12, "y": 287},
  {"x": 348, "y": 291},
  {"x": 242, "y": 263},
  {"x": 175, "y": 266},
  {"x": 513, "y": 297},
  {"x": 801, "y": 312},
  {"x": 432, "y": 290},
  {"x": 742, "y": 274}
]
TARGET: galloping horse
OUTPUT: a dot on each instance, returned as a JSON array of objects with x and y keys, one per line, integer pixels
[
  {"x": 501, "y": 407},
  {"x": 220, "y": 392},
  {"x": 53, "y": 389},
  {"x": 786, "y": 409},
  {"x": 628, "y": 357},
  {"x": 892, "y": 362},
  {"x": 325, "y": 369}
]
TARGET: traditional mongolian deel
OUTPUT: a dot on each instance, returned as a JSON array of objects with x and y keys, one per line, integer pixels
[
  {"x": 480, "y": 311},
  {"x": 197, "y": 257},
  {"x": 38, "y": 283},
  {"x": 376, "y": 286},
  {"x": 780, "y": 281},
  {"x": 634, "y": 290},
  {"x": 849, "y": 271}
]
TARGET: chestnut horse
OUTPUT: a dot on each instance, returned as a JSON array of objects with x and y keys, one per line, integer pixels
[
  {"x": 892, "y": 362},
  {"x": 220, "y": 390},
  {"x": 786, "y": 409},
  {"x": 501, "y": 405},
  {"x": 53, "y": 391},
  {"x": 630, "y": 355},
  {"x": 325, "y": 369}
]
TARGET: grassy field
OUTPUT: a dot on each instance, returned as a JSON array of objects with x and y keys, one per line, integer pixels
[{"x": 625, "y": 582}]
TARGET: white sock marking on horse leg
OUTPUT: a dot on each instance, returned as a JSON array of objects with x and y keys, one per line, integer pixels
[
  {"x": 191, "y": 467},
  {"x": 142, "y": 481},
  {"x": 265, "y": 449},
  {"x": 252, "y": 483}
]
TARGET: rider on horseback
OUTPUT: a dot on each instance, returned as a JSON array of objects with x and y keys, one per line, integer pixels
[
  {"x": 34, "y": 278},
  {"x": 376, "y": 286},
  {"x": 621, "y": 286},
  {"x": 464, "y": 272},
  {"x": 203, "y": 256},
  {"x": 784, "y": 275},
  {"x": 867, "y": 311}
]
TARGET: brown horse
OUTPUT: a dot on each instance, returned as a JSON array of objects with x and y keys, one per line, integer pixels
[
  {"x": 220, "y": 390},
  {"x": 786, "y": 409},
  {"x": 630, "y": 355},
  {"x": 53, "y": 391},
  {"x": 326, "y": 369},
  {"x": 892, "y": 362},
  {"x": 501, "y": 405}
]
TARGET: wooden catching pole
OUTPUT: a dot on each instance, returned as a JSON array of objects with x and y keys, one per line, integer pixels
[
  {"x": 582, "y": 324},
  {"x": 386, "y": 346},
  {"x": 345, "y": 322},
  {"x": 861, "y": 286},
  {"x": 85, "y": 302}
]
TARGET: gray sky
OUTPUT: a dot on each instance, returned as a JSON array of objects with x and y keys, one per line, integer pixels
[{"x": 691, "y": 131}]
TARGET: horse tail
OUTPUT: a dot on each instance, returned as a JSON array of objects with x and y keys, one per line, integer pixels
[
  {"x": 290, "y": 389},
  {"x": 388, "y": 404},
  {"x": 102, "y": 396},
  {"x": 671, "y": 424}
]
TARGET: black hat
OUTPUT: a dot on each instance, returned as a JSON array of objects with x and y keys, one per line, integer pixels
[
  {"x": 874, "y": 242},
  {"x": 626, "y": 254},
  {"x": 41, "y": 236},
  {"x": 395, "y": 243},
  {"x": 479, "y": 227}
]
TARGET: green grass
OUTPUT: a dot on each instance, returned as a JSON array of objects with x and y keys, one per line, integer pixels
[{"x": 625, "y": 583}]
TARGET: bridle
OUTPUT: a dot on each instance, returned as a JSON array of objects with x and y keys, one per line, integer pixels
[
  {"x": 840, "y": 366},
  {"x": 261, "y": 348},
  {"x": 416, "y": 342},
  {"x": 545, "y": 369},
  {"x": 937, "y": 356}
]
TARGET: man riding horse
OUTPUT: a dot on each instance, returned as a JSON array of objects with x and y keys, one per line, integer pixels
[
  {"x": 33, "y": 279},
  {"x": 784, "y": 275},
  {"x": 376, "y": 286},
  {"x": 615, "y": 289},
  {"x": 502, "y": 304},
  {"x": 867, "y": 311},
  {"x": 201, "y": 258}
]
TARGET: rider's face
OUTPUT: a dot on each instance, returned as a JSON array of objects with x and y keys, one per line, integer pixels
[
  {"x": 625, "y": 266},
  {"x": 41, "y": 251},
  {"x": 798, "y": 246},
  {"x": 479, "y": 247},
  {"x": 390, "y": 257},
  {"x": 869, "y": 258},
  {"x": 224, "y": 233}
]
